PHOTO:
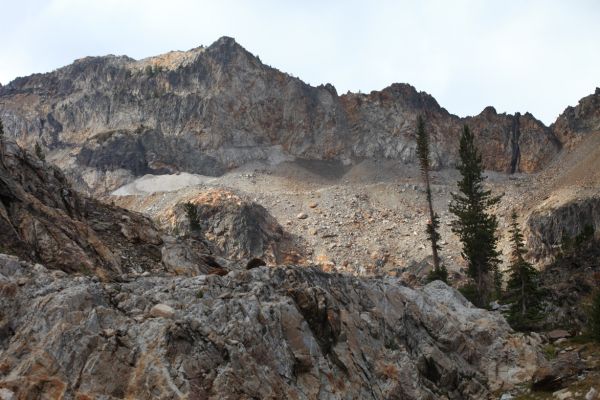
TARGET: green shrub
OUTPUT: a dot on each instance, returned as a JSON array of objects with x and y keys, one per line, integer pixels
[
  {"x": 470, "y": 292},
  {"x": 439, "y": 274},
  {"x": 39, "y": 152},
  {"x": 550, "y": 351},
  {"x": 192, "y": 215}
]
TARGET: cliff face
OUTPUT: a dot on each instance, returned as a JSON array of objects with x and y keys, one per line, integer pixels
[
  {"x": 577, "y": 122},
  {"x": 106, "y": 119}
]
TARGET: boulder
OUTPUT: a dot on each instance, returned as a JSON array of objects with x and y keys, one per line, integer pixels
[
  {"x": 558, "y": 334},
  {"x": 592, "y": 394},
  {"x": 556, "y": 375},
  {"x": 162, "y": 310}
]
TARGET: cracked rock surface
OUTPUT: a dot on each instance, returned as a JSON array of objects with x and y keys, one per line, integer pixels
[{"x": 284, "y": 332}]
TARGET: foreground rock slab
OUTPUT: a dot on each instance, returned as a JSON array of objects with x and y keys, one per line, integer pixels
[{"x": 267, "y": 333}]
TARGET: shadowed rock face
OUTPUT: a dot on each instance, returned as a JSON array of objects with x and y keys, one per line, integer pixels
[
  {"x": 569, "y": 282},
  {"x": 546, "y": 227},
  {"x": 265, "y": 333},
  {"x": 42, "y": 219},
  {"x": 239, "y": 228},
  {"x": 211, "y": 109}
]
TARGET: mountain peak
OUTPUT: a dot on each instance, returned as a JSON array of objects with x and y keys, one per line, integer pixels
[{"x": 225, "y": 42}]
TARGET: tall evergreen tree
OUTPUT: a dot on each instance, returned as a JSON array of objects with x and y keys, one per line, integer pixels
[
  {"x": 1, "y": 142},
  {"x": 432, "y": 230},
  {"x": 522, "y": 288},
  {"x": 39, "y": 152},
  {"x": 475, "y": 225},
  {"x": 193, "y": 217}
]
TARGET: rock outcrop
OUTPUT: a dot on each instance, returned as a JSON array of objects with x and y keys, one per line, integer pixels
[
  {"x": 564, "y": 240},
  {"x": 552, "y": 222},
  {"x": 42, "y": 219},
  {"x": 237, "y": 228},
  {"x": 568, "y": 284},
  {"x": 264, "y": 333},
  {"x": 107, "y": 119},
  {"x": 577, "y": 122}
]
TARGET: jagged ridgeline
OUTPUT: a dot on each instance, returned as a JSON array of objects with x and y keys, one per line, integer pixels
[{"x": 106, "y": 119}]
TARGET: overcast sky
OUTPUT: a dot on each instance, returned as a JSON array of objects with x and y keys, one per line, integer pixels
[{"x": 537, "y": 56}]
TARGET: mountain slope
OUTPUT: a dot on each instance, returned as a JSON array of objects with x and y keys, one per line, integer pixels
[
  {"x": 107, "y": 119},
  {"x": 117, "y": 297}
]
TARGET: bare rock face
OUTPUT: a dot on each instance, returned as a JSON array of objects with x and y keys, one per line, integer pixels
[
  {"x": 108, "y": 119},
  {"x": 233, "y": 226},
  {"x": 563, "y": 236},
  {"x": 568, "y": 283},
  {"x": 576, "y": 122},
  {"x": 509, "y": 143},
  {"x": 238, "y": 228},
  {"x": 548, "y": 225},
  {"x": 513, "y": 143},
  {"x": 264, "y": 333},
  {"x": 42, "y": 219}
]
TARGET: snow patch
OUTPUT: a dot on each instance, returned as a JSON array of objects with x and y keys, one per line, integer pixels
[{"x": 149, "y": 184}]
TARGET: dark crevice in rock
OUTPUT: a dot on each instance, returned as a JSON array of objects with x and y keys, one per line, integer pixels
[
  {"x": 514, "y": 142},
  {"x": 321, "y": 315}
]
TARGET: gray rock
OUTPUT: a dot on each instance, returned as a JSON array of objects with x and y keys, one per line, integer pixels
[
  {"x": 558, "y": 334},
  {"x": 6, "y": 394},
  {"x": 265, "y": 333},
  {"x": 211, "y": 109},
  {"x": 162, "y": 310},
  {"x": 592, "y": 394}
]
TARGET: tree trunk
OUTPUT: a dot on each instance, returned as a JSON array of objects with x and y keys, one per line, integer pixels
[
  {"x": 523, "y": 307},
  {"x": 436, "y": 260}
]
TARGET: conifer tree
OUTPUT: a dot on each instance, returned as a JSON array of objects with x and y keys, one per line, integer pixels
[
  {"x": 432, "y": 230},
  {"x": 39, "y": 152},
  {"x": 1, "y": 142},
  {"x": 193, "y": 218},
  {"x": 522, "y": 288},
  {"x": 475, "y": 225}
]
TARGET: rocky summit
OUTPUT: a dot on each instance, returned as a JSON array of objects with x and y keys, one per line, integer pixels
[{"x": 108, "y": 119}]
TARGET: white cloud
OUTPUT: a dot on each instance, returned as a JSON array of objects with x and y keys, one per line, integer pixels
[{"x": 537, "y": 56}]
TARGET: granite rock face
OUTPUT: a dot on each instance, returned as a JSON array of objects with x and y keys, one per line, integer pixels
[
  {"x": 239, "y": 228},
  {"x": 286, "y": 332},
  {"x": 107, "y": 119}
]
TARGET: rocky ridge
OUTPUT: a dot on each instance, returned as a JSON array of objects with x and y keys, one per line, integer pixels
[{"x": 108, "y": 119}]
